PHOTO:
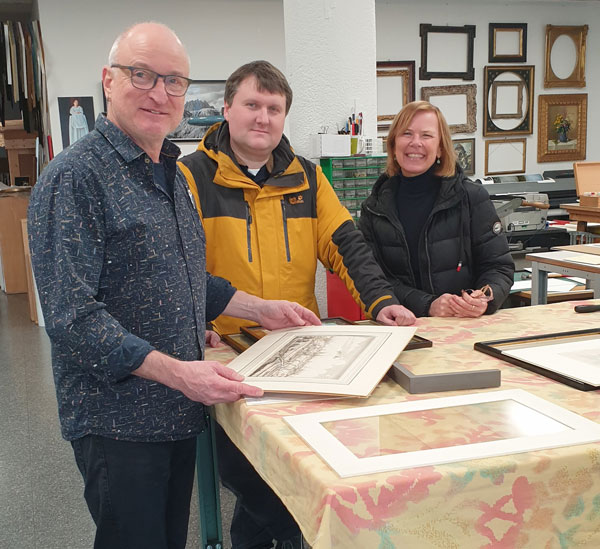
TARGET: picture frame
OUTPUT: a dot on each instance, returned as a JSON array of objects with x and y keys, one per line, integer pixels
[
  {"x": 465, "y": 154},
  {"x": 204, "y": 99},
  {"x": 573, "y": 77},
  {"x": 335, "y": 360},
  {"x": 434, "y": 51},
  {"x": 77, "y": 118},
  {"x": 254, "y": 332},
  {"x": 395, "y": 88},
  {"x": 406, "y": 435},
  {"x": 507, "y": 43},
  {"x": 238, "y": 342},
  {"x": 457, "y": 103},
  {"x": 504, "y": 156},
  {"x": 508, "y": 92},
  {"x": 558, "y": 370},
  {"x": 572, "y": 108}
]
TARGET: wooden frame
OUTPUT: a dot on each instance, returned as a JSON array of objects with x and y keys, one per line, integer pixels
[
  {"x": 465, "y": 154},
  {"x": 515, "y": 422},
  {"x": 572, "y": 107},
  {"x": 515, "y": 163},
  {"x": 499, "y": 347},
  {"x": 577, "y": 77},
  {"x": 492, "y": 82},
  {"x": 425, "y": 30},
  {"x": 496, "y": 30},
  {"x": 335, "y": 360},
  {"x": 395, "y": 69},
  {"x": 469, "y": 91},
  {"x": 518, "y": 110},
  {"x": 238, "y": 342}
]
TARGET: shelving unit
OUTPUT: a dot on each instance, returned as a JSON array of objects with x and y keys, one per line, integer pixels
[{"x": 353, "y": 177}]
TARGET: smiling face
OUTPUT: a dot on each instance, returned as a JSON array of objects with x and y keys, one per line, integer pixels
[
  {"x": 256, "y": 119},
  {"x": 146, "y": 116},
  {"x": 418, "y": 147}
]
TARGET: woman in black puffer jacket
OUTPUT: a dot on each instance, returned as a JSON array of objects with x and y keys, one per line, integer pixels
[{"x": 434, "y": 232}]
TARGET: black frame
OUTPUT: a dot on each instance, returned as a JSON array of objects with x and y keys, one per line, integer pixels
[
  {"x": 425, "y": 29},
  {"x": 495, "y": 58},
  {"x": 527, "y": 73},
  {"x": 492, "y": 348}
]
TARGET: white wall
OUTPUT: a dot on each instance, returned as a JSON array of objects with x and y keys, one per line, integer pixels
[
  {"x": 219, "y": 35},
  {"x": 398, "y": 40}
]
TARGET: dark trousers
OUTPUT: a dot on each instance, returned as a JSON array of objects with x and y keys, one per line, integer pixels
[
  {"x": 259, "y": 515},
  {"x": 138, "y": 493}
]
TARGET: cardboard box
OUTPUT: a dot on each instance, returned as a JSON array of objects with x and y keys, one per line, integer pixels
[{"x": 587, "y": 180}]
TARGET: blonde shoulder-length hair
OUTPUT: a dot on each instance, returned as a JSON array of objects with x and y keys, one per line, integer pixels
[{"x": 447, "y": 164}]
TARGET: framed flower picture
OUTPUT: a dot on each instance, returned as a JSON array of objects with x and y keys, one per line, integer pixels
[{"x": 562, "y": 127}]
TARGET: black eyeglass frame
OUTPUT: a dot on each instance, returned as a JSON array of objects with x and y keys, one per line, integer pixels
[{"x": 156, "y": 77}]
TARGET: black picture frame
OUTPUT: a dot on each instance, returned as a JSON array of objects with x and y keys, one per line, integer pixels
[
  {"x": 425, "y": 29},
  {"x": 494, "y": 57},
  {"x": 204, "y": 99},
  {"x": 494, "y": 348},
  {"x": 64, "y": 106},
  {"x": 492, "y": 74}
]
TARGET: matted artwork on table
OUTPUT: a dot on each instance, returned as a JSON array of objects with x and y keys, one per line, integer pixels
[
  {"x": 568, "y": 357},
  {"x": 406, "y": 435},
  {"x": 335, "y": 360}
]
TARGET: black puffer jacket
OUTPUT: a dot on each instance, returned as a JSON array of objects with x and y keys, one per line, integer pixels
[{"x": 462, "y": 245}]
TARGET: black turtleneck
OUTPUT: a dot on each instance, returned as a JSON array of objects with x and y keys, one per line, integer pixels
[{"x": 415, "y": 197}]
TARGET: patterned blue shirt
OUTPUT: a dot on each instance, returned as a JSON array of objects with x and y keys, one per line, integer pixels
[{"x": 120, "y": 269}]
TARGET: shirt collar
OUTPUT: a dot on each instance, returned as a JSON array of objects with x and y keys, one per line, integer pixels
[{"x": 125, "y": 146}]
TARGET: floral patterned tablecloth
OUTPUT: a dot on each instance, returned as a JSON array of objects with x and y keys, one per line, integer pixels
[{"x": 544, "y": 499}]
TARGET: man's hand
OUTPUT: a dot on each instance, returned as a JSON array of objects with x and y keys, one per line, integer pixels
[
  {"x": 205, "y": 381},
  {"x": 396, "y": 315},
  {"x": 212, "y": 338},
  {"x": 271, "y": 314},
  {"x": 465, "y": 306}
]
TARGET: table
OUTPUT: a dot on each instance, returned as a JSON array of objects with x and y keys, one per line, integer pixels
[
  {"x": 554, "y": 262},
  {"x": 582, "y": 214},
  {"x": 543, "y": 499}
]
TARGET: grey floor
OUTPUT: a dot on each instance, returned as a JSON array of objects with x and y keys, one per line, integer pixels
[{"x": 41, "y": 500}]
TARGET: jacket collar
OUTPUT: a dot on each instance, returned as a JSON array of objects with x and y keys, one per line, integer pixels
[{"x": 125, "y": 146}]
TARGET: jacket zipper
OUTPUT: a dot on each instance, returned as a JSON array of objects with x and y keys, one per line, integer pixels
[
  {"x": 249, "y": 232},
  {"x": 285, "y": 230}
]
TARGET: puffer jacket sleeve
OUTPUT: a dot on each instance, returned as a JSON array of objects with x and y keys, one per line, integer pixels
[
  {"x": 492, "y": 262},
  {"x": 342, "y": 248},
  {"x": 412, "y": 298}
]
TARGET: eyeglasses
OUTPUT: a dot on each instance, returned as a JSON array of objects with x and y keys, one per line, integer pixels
[{"x": 145, "y": 79}]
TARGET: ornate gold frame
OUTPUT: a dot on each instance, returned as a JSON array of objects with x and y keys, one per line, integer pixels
[
  {"x": 545, "y": 102},
  {"x": 577, "y": 78},
  {"x": 469, "y": 91}
]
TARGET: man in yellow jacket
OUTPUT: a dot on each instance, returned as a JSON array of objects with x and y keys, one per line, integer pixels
[{"x": 268, "y": 216}]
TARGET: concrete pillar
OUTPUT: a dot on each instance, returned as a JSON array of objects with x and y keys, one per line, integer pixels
[{"x": 330, "y": 54}]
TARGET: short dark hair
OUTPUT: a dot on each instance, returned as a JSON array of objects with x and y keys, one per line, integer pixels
[{"x": 268, "y": 78}]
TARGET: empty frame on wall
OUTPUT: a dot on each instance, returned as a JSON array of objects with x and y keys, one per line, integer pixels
[
  {"x": 436, "y": 42},
  {"x": 508, "y": 43},
  {"x": 565, "y": 56},
  {"x": 457, "y": 103}
]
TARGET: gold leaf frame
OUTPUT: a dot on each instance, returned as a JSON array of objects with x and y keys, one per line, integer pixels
[
  {"x": 547, "y": 106},
  {"x": 577, "y": 78}
]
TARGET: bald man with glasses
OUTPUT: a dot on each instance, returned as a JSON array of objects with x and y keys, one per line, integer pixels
[{"x": 119, "y": 260}]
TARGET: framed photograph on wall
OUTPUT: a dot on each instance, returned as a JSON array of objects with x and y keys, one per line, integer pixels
[
  {"x": 77, "y": 118},
  {"x": 204, "y": 102},
  {"x": 562, "y": 127},
  {"x": 465, "y": 154}
]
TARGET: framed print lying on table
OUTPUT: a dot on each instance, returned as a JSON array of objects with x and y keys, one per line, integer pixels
[
  {"x": 335, "y": 360},
  {"x": 567, "y": 357},
  {"x": 562, "y": 127},
  {"x": 405, "y": 435}
]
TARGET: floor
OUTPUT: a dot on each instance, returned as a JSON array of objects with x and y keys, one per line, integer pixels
[{"x": 41, "y": 499}]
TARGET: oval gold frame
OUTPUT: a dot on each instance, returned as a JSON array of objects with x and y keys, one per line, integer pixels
[{"x": 577, "y": 78}]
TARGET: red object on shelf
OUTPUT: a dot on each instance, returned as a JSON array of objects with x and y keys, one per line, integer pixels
[{"x": 339, "y": 300}]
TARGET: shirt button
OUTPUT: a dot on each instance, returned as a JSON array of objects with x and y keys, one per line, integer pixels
[{"x": 147, "y": 160}]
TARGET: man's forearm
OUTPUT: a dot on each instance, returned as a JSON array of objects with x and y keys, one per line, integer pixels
[{"x": 243, "y": 305}]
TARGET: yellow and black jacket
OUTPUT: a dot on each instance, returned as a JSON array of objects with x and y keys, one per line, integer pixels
[{"x": 266, "y": 240}]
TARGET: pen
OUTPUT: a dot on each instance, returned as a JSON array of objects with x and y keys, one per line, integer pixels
[{"x": 587, "y": 308}]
